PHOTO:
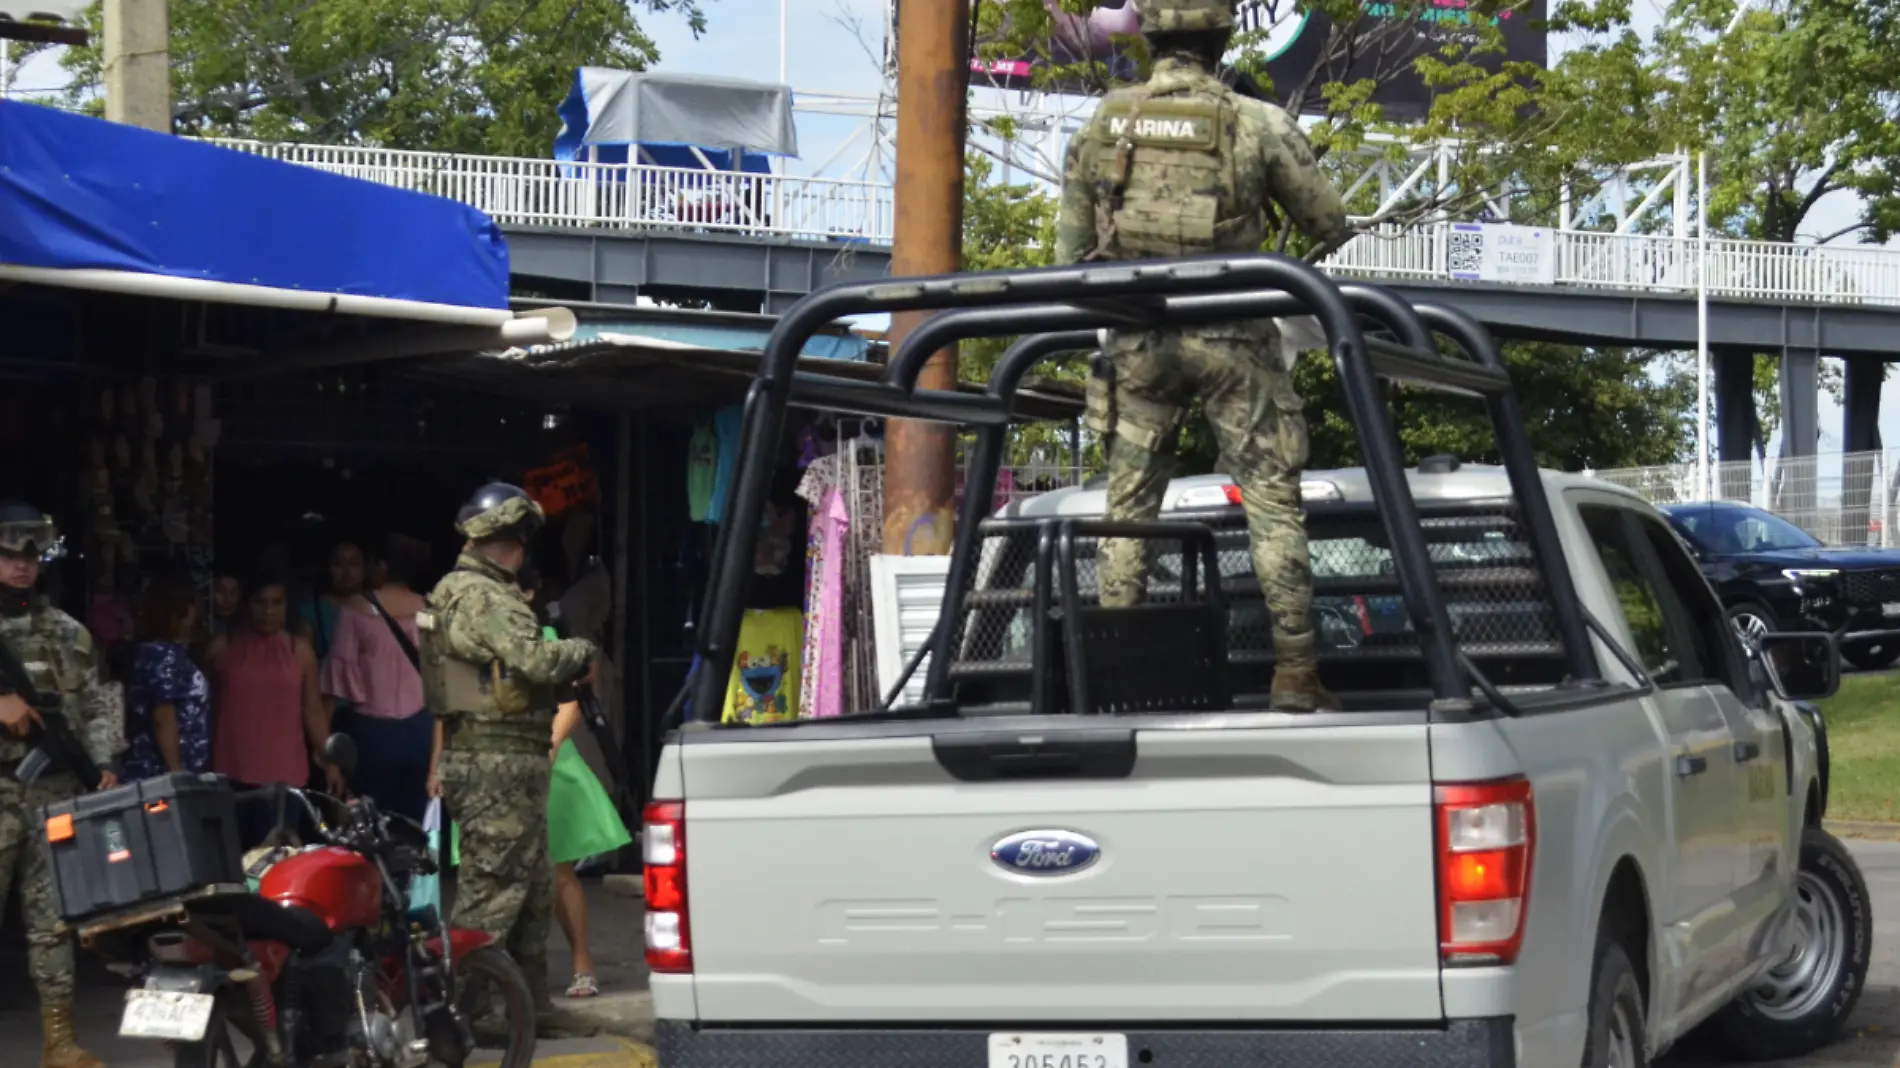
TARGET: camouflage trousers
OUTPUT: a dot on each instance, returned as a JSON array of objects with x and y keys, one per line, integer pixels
[
  {"x": 505, "y": 889},
  {"x": 1259, "y": 422},
  {"x": 23, "y": 864}
]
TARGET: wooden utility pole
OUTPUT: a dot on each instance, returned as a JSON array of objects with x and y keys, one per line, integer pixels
[
  {"x": 138, "y": 63},
  {"x": 933, "y": 86}
]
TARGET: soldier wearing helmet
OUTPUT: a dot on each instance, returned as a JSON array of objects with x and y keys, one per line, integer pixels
[
  {"x": 60, "y": 657},
  {"x": 1182, "y": 165},
  {"x": 494, "y": 685}
]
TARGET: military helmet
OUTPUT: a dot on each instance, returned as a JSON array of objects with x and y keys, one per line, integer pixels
[
  {"x": 1187, "y": 16},
  {"x": 25, "y": 529},
  {"x": 499, "y": 511}
]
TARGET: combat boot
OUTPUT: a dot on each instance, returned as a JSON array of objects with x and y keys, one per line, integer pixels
[
  {"x": 62, "y": 1047},
  {"x": 1296, "y": 685},
  {"x": 1298, "y": 689}
]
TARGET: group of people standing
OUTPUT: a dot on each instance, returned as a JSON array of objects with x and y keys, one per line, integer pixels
[{"x": 463, "y": 696}]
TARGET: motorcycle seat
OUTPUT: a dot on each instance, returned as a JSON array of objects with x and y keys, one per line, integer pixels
[{"x": 262, "y": 919}]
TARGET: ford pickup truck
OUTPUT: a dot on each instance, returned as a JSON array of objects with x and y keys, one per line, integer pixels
[{"x": 1564, "y": 817}]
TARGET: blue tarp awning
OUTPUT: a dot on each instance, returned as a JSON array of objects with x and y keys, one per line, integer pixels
[{"x": 84, "y": 195}]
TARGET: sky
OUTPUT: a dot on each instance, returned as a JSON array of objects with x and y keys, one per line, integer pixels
[{"x": 835, "y": 46}]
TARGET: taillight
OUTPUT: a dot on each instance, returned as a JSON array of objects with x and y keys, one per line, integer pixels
[
  {"x": 663, "y": 848},
  {"x": 1486, "y": 835}
]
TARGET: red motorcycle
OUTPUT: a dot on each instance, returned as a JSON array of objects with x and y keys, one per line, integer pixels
[{"x": 324, "y": 965}]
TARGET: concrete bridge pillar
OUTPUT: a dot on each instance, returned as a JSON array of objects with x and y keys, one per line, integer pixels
[
  {"x": 1861, "y": 415},
  {"x": 1737, "y": 424},
  {"x": 1800, "y": 431}
]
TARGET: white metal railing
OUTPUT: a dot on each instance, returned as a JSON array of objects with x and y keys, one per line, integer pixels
[
  {"x": 1746, "y": 270},
  {"x": 545, "y": 192},
  {"x": 1840, "y": 498}
]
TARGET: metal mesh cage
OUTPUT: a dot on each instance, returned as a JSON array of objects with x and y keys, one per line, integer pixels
[{"x": 1494, "y": 592}]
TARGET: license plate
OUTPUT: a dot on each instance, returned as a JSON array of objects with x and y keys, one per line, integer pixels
[
  {"x": 1890, "y": 609},
  {"x": 1058, "y": 1051},
  {"x": 166, "y": 1014}
]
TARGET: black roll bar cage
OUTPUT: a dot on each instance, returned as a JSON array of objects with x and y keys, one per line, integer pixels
[{"x": 1078, "y": 300}]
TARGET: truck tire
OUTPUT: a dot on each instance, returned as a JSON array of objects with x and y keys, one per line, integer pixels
[
  {"x": 1803, "y": 1002},
  {"x": 1617, "y": 1037}
]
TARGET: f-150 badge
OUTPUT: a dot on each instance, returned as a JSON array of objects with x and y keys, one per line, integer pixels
[{"x": 1045, "y": 852}]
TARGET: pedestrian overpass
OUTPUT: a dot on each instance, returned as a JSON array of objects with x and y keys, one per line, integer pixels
[{"x": 615, "y": 233}]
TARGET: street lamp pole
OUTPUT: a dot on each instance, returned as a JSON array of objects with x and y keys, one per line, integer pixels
[{"x": 1702, "y": 326}]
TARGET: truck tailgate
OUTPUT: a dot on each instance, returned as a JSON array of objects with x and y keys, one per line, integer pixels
[{"x": 1243, "y": 874}]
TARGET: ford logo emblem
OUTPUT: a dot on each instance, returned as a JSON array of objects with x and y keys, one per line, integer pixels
[{"x": 1045, "y": 853}]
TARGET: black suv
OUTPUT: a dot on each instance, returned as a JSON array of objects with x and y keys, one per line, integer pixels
[{"x": 1772, "y": 575}]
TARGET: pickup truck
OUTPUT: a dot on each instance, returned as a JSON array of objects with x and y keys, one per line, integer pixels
[{"x": 1564, "y": 818}]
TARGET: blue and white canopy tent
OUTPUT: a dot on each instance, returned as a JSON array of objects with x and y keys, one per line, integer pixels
[
  {"x": 116, "y": 236},
  {"x": 676, "y": 120},
  {"x": 716, "y": 138}
]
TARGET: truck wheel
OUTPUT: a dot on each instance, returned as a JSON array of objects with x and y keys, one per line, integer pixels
[
  {"x": 1803, "y": 1002},
  {"x": 1617, "y": 1037}
]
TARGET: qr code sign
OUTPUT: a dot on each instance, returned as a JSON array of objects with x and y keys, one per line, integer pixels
[{"x": 1466, "y": 255}]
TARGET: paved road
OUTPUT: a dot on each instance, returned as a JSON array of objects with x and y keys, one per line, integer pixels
[{"x": 1875, "y": 1039}]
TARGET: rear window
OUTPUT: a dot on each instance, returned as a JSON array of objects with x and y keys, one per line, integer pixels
[{"x": 1362, "y": 625}]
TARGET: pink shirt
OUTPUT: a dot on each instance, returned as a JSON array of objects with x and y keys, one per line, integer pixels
[
  {"x": 369, "y": 670},
  {"x": 257, "y": 686}
]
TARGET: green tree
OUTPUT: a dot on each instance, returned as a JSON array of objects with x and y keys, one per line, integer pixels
[
  {"x": 1587, "y": 408},
  {"x": 447, "y": 75}
]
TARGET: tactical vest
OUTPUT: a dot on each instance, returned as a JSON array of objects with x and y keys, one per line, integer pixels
[
  {"x": 53, "y": 663},
  {"x": 1168, "y": 168},
  {"x": 485, "y": 705}
]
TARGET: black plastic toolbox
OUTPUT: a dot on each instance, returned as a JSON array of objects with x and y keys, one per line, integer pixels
[{"x": 141, "y": 842}]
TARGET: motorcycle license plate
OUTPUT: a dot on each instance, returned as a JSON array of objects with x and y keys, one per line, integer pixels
[{"x": 166, "y": 1014}]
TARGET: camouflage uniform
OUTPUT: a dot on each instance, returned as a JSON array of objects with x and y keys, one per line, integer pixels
[
  {"x": 490, "y": 676},
  {"x": 1182, "y": 165},
  {"x": 59, "y": 655}
]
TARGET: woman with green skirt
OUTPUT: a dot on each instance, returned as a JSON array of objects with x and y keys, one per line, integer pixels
[{"x": 582, "y": 823}]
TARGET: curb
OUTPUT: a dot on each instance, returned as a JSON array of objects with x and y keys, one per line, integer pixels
[
  {"x": 624, "y": 1016},
  {"x": 1870, "y": 829},
  {"x": 629, "y": 886},
  {"x": 630, "y": 1055}
]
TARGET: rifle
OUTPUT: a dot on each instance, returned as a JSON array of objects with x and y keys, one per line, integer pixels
[{"x": 55, "y": 744}]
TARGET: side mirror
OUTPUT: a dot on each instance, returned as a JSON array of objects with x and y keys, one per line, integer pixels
[
  {"x": 339, "y": 751},
  {"x": 1800, "y": 666}
]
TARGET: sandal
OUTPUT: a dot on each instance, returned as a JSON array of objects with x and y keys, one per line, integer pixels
[{"x": 583, "y": 986}]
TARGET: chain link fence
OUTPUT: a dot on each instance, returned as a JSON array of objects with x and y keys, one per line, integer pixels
[{"x": 1847, "y": 499}]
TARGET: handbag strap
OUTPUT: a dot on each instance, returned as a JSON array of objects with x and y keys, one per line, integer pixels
[{"x": 395, "y": 628}]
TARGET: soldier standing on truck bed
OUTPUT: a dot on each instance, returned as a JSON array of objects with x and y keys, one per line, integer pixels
[
  {"x": 61, "y": 659},
  {"x": 493, "y": 682},
  {"x": 1182, "y": 165}
]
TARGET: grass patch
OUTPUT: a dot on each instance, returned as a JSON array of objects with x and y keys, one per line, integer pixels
[{"x": 1863, "y": 733}]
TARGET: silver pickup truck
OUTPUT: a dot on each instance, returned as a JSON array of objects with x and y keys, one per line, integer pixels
[{"x": 1093, "y": 847}]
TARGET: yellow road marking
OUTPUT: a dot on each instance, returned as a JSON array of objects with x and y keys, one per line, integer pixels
[{"x": 629, "y": 1055}]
